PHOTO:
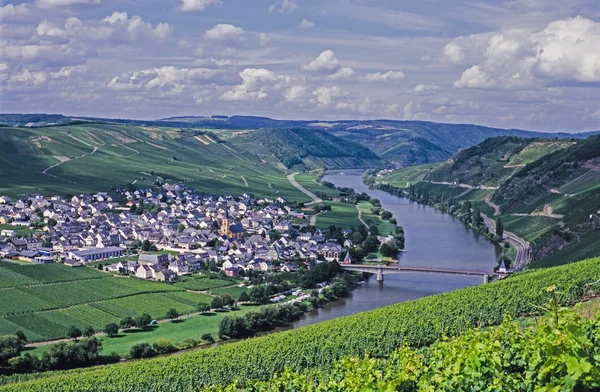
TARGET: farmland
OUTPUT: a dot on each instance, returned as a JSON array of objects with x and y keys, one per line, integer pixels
[
  {"x": 342, "y": 214},
  {"x": 45, "y": 300}
]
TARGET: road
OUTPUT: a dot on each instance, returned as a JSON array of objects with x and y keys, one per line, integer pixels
[
  {"x": 522, "y": 258},
  {"x": 292, "y": 179},
  {"x": 360, "y": 217}
]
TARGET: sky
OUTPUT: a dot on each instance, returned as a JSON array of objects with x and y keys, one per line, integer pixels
[{"x": 529, "y": 64}]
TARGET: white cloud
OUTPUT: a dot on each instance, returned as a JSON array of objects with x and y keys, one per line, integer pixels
[
  {"x": 11, "y": 12},
  {"x": 63, "y": 3},
  {"x": 263, "y": 39},
  {"x": 425, "y": 88},
  {"x": 225, "y": 34},
  {"x": 197, "y": 5},
  {"x": 167, "y": 78},
  {"x": 342, "y": 73},
  {"x": 564, "y": 51},
  {"x": 326, "y": 63},
  {"x": 454, "y": 52},
  {"x": 297, "y": 92},
  {"x": 253, "y": 86},
  {"x": 306, "y": 24},
  {"x": 325, "y": 95},
  {"x": 283, "y": 6},
  {"x": 388, "y": 76}
]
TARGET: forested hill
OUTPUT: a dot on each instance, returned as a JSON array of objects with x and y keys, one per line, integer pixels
[
  {"x": 493, "y": 161},
  {"x": 399, "y": 142},
  {"x": 308, "y": 148},
  {"x": 571, "y": 171}
]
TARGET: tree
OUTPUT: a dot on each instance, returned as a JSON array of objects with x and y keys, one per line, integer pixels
[
  {"x": 146, "y": 245},
  {"x": 111, "y": 329},
  {"x": 127, "y": 322},
  {"x": 477, "y": 220},
  {"x": 228, "y": 300},
  {"x": 74, "y": 332},
  {"x": 172, "y": 314},
  {"x": 243, "y": 297},
  {"x": 208, "y": 338},
  {"x": 164, "y": 346},
  {"x": 143, "y": 320},
  {"x": 100, "y": 267},
  {"x": 499, "y": 228},
  {"x": 388, "y": 249},
  {"x": 141, "y": 350},
  {"x": 203, "y": 307},
  {"x": 21, "y": 336},
  {"x": 180, "y": 227},
  {"x": 216, "y": 303},
  {"x": 10, "y": 347},
  {"x": 89, "y": 332}
]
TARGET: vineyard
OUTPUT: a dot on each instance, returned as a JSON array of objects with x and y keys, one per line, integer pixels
[
  {"x": 551, "y": 356},
  {"x": 44, "y": 301},
  {"x": 380, "y": 332}
]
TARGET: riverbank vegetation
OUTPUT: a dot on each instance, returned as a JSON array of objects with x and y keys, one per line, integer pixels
[{"x": 379, "y": 333}]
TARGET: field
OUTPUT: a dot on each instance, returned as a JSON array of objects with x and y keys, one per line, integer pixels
[
  {"x": 202, "y": 284},
  {"x": 530, "y": 228},
  {"x": 385, "y": 227},
  {"x": 378, "y": 332},
  {"x": 188, "y": 328},
  {"x": 94, "y": 157},
  {"x": 308, "y": 181},
  {"x": 342, "y": 214},
  {"x": 21, "y": 231},
  {"x": 45, "y": 300},
  {"x": 407, "y": 176}
]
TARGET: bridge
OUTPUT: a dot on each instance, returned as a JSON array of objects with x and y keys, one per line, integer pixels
[{"x": 380, "y": 270}]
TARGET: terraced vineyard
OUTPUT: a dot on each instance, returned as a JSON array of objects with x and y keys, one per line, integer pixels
[
  {"x": 379, "y": 332},
  {"x": 44, "y": 301}
]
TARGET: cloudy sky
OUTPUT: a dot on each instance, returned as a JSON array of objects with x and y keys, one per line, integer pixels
[{"x": 531, "y": 64}]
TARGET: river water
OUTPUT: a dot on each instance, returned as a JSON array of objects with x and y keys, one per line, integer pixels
[{"x": 433, "y": 239}]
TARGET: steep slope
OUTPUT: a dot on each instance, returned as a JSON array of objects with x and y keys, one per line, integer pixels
[
  {"x": 308, "y": 148},
  {"x": 547, "y": 191},
  {"x": 494, "y": 160}
]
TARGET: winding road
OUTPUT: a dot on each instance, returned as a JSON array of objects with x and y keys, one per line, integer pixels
[
  {"x": 292, "y": 179},
  {"x": 523, "y": 255}
]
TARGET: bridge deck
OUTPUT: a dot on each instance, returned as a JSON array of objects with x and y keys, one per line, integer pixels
[{"x": 398, "y": 269}]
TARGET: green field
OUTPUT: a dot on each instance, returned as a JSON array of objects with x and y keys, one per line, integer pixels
[
  {"x": 530, "y": 228},
  {"x": 202, "y": 284},
  {"x": 96, "y": 157},
  {"x": 45, "y": 300},
  {"x": 20, "y": 231},
  {"x": 385, "y": 227},
  {"x": 188, "y": 328},
  {"x": 376, "y": 333},
  {"x": 407, "y": 176},
  {"x": 308, "y": 181},
  {"x": 342, "y": 214}
]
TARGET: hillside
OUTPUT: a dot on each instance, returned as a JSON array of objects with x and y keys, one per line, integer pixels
[
  {"x": 547, "y": 191},
  {"x": 401, "y": 143},
  {"x": 494, "y": 160},
  {"x": 95, "y": 157},
  {"x": 377, "y": 333},
  {"x": 307, "y": 148}
]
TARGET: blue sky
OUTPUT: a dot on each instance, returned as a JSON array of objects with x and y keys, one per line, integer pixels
[{"x": 531, "y": 64}]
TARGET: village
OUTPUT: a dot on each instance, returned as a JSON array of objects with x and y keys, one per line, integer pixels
[{"x": 178, "y": 230}]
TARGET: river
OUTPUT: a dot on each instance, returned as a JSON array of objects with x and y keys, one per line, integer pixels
[{"x": 433, "y": 239}]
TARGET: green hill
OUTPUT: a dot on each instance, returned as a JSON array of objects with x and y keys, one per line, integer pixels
[
  {"x": 548, "y": 191},
  {"x": 79, "y": 158},
  {"x": 377, "y": 333},
  {"x": 494, "y": 160}
]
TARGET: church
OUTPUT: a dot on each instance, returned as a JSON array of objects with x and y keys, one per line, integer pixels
[{"x": 235, "y": 231}]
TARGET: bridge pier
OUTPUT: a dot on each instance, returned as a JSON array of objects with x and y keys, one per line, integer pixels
[
  {"x": 380, "y": 275},
  {"x": 486, "y": 278}
]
